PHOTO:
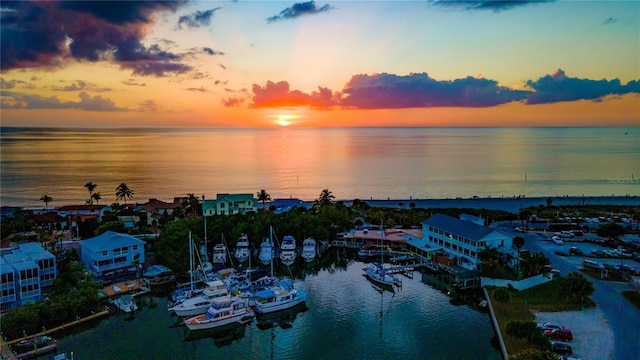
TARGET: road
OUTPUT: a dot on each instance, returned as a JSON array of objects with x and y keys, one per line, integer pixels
[{"x": 622, "y": 316}]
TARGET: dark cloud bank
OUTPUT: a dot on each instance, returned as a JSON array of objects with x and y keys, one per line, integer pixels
[
  {"x": 389, "y": 91},
  {"x": 36, "y": 34}
]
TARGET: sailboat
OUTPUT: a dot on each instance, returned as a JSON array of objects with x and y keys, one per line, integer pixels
[{"x": 376, "y": 272}]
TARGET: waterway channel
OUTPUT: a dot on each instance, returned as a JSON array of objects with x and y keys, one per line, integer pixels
[{"x": 344, "y": 317}]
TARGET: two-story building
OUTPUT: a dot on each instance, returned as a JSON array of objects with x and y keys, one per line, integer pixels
[
  {"x": 230, "y": 204},
  {"x": 462, "y": 240},
  {"x": 155, "y": 210},
  {"x": 24, "y": 271},
  {"x": 111, "y": 253}
]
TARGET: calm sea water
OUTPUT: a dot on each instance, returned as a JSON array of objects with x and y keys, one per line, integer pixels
[
  {"x": 352, "y": 163},
  {"x": 345, "y": 317}
]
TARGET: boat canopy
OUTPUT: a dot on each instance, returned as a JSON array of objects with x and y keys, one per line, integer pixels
[
  {"x": 265, "y": 294},
  {"x": 157, "y": 270}
]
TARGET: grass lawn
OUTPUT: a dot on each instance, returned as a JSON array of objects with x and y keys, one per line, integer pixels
[{"x": 544, "y": 297}]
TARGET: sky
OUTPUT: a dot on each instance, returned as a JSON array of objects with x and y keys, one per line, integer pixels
[{"x": 319, "y": 63}]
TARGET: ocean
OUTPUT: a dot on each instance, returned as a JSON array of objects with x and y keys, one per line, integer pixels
[{"x": 352, "y": 163}]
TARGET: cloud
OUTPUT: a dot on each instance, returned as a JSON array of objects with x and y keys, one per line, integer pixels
[
  {"x": 197, "y": 19},
  {"x": 200, "y": 89},
  {"x": 495, "y": 5},
  {"x": 49, "y": 34},
  {"x": 132, "y": 82},
  {"x": 210, "y": 51},
  {"x": 609, "y": 21},
  {"x": 299, "y": 9},
  {"x": 558, "y": 87},
  {"x": 233, "y": 101},
  {"x": 148, "y": 106},
  {"x": 80, "y": 85},
  {"x": 9, "y": 84},
  {"x": 274, "y": 95},
  {"x": 384, "y": 91},
  {"x": 13, "y": 100}
]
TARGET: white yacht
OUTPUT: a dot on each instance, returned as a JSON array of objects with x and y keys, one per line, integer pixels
[
  {"x": 278, "y": 297},
  {"x": 219, "y": 254},
  {"x": 288, "y": 250},
  {"x": 309, "y": 250},
  {"x": 242, "y": 249},
  {"x": 199, "y": 304},
  {"x": 223, "y": 310},
  {"x": 267, "y": 252}
]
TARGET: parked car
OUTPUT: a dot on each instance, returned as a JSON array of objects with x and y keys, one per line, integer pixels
[
  {"x": 566, "y": 234},
  {"x": 549, "y": 325},
  {"x": 574, "y": 250},
  {"x": 559, "y": 334},
  {"x": 556, "y": 240},
  {"x": 597, "y": 253},
  {"x": 560, "y": 347},
  {"x": 590, "y": 264},
  {"x": 577, "y": 232}
]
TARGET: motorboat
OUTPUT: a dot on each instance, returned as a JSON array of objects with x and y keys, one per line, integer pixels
[
  {"x": 267, "y": 251},
  {"x": 35, "y": 342},
  {"x": 219, "y": 254},
  {"x": 199, "y": 304},
  {"x": 278, "y": 297},
  {"x": 223, "y": 310},
  {"x": 126, "y": 303},
  {"x": 288, "y": 250},
  {"x": 308, "y": 250},
  {"x": 242, "y": 248}
]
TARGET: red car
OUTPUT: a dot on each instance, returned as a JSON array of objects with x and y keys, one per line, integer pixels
[{"x": 559, "y": 334}]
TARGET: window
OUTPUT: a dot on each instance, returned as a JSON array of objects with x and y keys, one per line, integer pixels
[
  {"x": 105, "y": 253},
  {"x": 7, "y": 278},
  {"x": 135, "y": 247}
]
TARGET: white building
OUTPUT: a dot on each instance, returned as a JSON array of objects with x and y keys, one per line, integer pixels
[{"x": 463, "y": 240}]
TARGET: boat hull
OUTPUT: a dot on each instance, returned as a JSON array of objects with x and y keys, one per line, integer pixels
[
  {"x": 236, "y": 318},
  {"x": 269, "y": 307}
]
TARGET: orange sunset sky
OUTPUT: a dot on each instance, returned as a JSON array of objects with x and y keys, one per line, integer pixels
[{"x": 320, "y": 64}]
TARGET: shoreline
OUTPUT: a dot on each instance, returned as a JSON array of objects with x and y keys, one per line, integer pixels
[{"x": 511, "y": 204}]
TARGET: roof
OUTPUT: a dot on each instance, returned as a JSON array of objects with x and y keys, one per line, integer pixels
[
  {"x": 234, "y": 197},
  {"x": 459, "y": 227},
  {"x": 155, "y": 270},
  {"x": 153, "y": 205},
  {"x": 110, "y": 240}
]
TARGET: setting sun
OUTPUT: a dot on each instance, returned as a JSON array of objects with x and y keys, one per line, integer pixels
[{"x": 284, "y": 120}]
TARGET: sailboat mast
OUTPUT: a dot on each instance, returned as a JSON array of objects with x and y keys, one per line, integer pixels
[
  {"x": 273, "y": 252},
  {"x": 192, "y": 272}
]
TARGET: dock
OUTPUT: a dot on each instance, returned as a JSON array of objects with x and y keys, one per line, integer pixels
[{"x": 132, "y": 287}]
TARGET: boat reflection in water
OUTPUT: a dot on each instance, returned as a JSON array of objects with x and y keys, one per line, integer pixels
[
  {"x": 222, "y": 336},
  {"x": 283, "y": 318}
]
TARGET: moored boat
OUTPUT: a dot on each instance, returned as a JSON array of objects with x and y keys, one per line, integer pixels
[
  {"x": 376, "y": 273},
  {"x": 242, "y": 248},
  {"x": 199, "y": 304},
  {"x": 309, "y": 250},
  {"x": 288, "y": 250},
  {"x": 219, "y": 254},
  {"x": 224, "y": 310},
  {"x": 126, "y": 303},
  {"x": 267, "y": 251},
  {"x": 279, "y": 297}
]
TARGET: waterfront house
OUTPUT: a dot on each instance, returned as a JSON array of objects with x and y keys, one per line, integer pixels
[
  {"x": 284, "y": 205},
  {"x": 155, "y": 209},
  {"x": 73, "y": 213},
  {"x": 462, "y": 240},
  {"x": 230, "y": 204},
  {"x": 111, "y": 253},
  {"x": 25, "y": 270}
]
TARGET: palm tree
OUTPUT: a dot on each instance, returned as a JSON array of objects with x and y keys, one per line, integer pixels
[
  {"x": 192, "y": 204},
  {"x": 46, "y": 199},
  {"x": 123, "y": 193},
  {"x": 263, "y": 197},
  {"x": 90, "y": 186},
  {"x": 96, "y": 197}
]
